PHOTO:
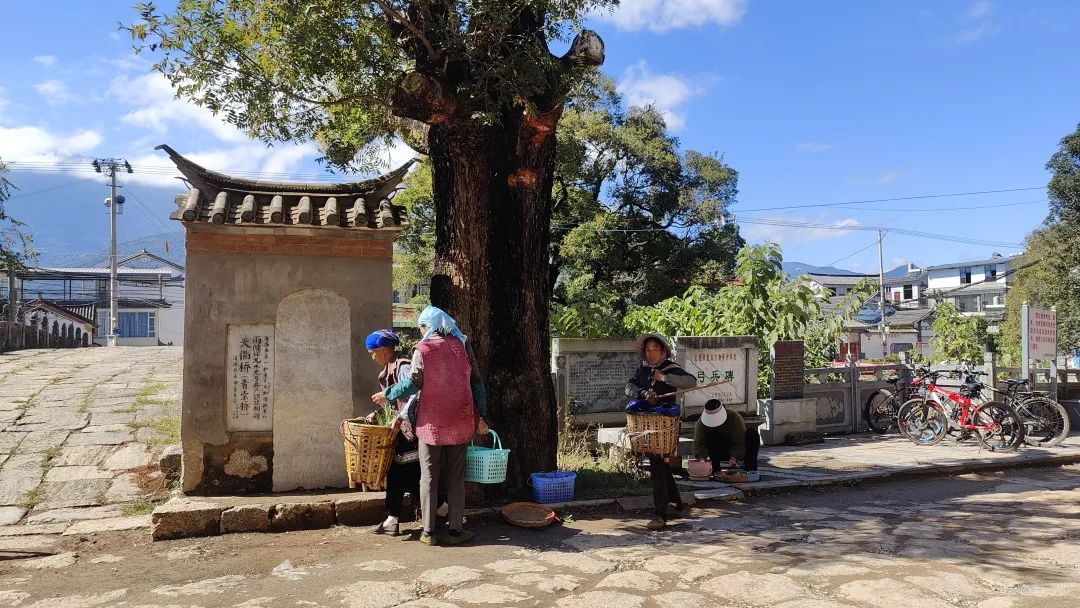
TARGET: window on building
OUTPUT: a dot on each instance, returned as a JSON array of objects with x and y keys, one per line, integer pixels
[
  {"x": 965, "y": 275},
  {"x": 990, "y": 272},
  {"x": 899, "y": 347},
  {"x": 908, "y": 292},
  {"x": 137, "y": 325},
  {"x": 102, "y": 323}
]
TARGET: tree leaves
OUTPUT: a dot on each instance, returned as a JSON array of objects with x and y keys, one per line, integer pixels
[{"x": 15, "y": 243}]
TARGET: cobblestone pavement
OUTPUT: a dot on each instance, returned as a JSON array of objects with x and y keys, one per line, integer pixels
[
  {"x": 79, "y": 434},
  {"x": 985, "y": 540}
]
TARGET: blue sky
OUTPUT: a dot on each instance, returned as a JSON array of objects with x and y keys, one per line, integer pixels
[{"x": 811, "y": 102}]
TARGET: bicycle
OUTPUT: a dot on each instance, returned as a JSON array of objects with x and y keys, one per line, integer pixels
[
  {"x": 1046, "y": 422},
  {"x": 882, "y": 406},
  {"x": 997, "y": 426}
]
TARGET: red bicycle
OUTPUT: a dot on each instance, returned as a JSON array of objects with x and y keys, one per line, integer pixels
[{"x": 925, "y": 421}]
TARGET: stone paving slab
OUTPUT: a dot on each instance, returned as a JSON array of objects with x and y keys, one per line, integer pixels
[{"x": 62, "y": 445}]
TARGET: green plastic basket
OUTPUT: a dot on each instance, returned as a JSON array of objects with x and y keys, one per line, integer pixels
[{"x": 486, "y": 465}]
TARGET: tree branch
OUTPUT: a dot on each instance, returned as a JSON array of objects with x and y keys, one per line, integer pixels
[
  {"x": 422, "y": 98},
  {"x": 404, "y": 22}
]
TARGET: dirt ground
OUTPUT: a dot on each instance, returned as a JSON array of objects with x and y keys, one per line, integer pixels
[{"x": 983, "y": 541}]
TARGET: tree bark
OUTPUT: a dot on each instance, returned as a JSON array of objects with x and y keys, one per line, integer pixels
[{"x": 492, "y": 191}]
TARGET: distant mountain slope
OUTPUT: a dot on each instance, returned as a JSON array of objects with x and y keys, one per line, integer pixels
[
  {"x": 155, "y": 244},
  {"x": 794, "y": 269}
]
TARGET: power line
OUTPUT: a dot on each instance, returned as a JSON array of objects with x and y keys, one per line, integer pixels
[
  {"x": 853, "y": 254},
  {"x": 899, "y": 198}
]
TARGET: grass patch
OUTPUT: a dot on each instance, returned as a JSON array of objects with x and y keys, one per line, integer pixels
[
  {"x": 166, "y": 432},
  {"x": 84, "y": 404},
  {"x": 50, "y": 455},
  {"x": 139, "y": 507},
  {"x": 146, "y": 398},
  {"x": 135, "y": 425},
  {"x": 599, "y": 474},
  {"x": 33, "y": 498}
]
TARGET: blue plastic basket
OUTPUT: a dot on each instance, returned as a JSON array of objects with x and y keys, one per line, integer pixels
[
  {"x": 557, "y": 486},
  {"x": 486, "y": 465}
]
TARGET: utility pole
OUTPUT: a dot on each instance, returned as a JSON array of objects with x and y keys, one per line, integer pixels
[
  {"x": 109, "y": 166},
  {"x": 12, "y": 305},
  {"x": 881, "y": 293}
]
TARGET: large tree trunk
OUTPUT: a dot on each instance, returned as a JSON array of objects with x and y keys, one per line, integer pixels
[{"x": 492, "y": 190}]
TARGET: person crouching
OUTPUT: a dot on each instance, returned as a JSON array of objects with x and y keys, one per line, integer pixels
[{"x": 721, "y": 437}]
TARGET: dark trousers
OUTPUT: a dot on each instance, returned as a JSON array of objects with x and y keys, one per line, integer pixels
[
  {"x": 720, "y": 450},
  {"x": 664, "y": 490},
  {"x": 402, "y": 478}
]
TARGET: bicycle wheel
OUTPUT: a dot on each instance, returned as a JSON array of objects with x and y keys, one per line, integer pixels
[
  {"x": 999, "y": 427},
  {"x": 880, "y": 411},
  {"x": 923, "y": 422},
  {"x": 1046, "y": 423}
]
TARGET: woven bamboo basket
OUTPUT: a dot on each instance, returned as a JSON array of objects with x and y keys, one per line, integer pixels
[
  {"x": 369, "y": 450},
  {"x": 653, "y": 434}
]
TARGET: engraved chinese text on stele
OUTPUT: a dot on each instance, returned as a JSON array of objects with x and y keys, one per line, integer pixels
[
  {"x": 596, "y": 380},
  {"x": 250, "y": 378},
  {"x": 313, "y": 390}
]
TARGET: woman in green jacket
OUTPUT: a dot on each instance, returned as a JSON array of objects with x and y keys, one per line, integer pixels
[{"x": 721, "y": 436}]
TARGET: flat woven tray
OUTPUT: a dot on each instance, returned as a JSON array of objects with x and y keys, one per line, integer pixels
[{"x": 528, "y": 514}]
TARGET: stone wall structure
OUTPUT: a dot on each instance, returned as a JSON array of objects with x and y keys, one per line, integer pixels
[{"x": 283, "y": 282}]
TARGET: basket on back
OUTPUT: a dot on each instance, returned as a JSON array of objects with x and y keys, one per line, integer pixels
[
  {"x": 653, "y": 434},
  {"x": 369, "y": 450}
]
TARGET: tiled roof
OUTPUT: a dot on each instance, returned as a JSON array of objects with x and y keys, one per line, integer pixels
[
  {"x": 855, "y": 279},
  {"x": 215, "y": 198},
  {"x": 1000, "y": 260},
  {"x": 64, "y": 311},
  {"x": 901, "y": 318}
]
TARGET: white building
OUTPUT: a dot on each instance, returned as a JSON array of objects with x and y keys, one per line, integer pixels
[
  {"x": 975, "y": 288},
  {"x": 150, "y": 297},
  {"x": 905, "y": 291}
]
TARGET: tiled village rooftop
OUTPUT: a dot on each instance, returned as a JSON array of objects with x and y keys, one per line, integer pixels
[{"x": 215, "y": 198}]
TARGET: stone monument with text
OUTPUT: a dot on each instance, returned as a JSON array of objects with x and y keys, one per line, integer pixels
[{"x": 283, "y": 282}]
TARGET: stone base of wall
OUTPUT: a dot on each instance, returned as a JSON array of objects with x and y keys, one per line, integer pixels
[
  {"x": 184, "y": 518},
  {"x": 783, "y": 416}
]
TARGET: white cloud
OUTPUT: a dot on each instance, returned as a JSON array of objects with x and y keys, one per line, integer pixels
[
  {"x": 664, "y": 91},
  {"x": 158, "y": 109},
  {"x": 55, "y": 92},
  {"x": 789, "y": 235},
  {"x": 981, "y": 9},
  {"x": 975, "y": 34},
  {"x": 888, "y": 177},
  {"x": 45, "y": 60},
  {"x": 812, "y": 147},
  {"x": 664, "y": 15},
  {"x": 980, "y": 12},
  {"x": 897, "y": 261},
  {"x": 36, "y": 144}
]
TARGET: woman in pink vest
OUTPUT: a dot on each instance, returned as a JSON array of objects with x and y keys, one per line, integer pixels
[{"x": 448, "y": 413}]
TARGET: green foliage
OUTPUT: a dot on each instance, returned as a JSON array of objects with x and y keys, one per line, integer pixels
[
  {"x": 958, "y": 338},
  {"x": 762, "y": 303},
  {"x": 635, "y": 219},
  {"x": 1064, "y": 187},
  {"x": 1049, "y": 273},
  {"x": 414, "y": 249},
  {"x": 15, "y": 243},
  {"x": 343, "y": 73}
]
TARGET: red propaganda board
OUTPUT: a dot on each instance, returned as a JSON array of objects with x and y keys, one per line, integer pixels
[{"x": 1042, "y": 333}]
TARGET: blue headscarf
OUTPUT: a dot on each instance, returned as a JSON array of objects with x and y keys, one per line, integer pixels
[
  {"x": 438, "y": 322},
  {"x": 380, "y": 338}
]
